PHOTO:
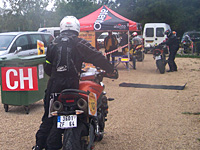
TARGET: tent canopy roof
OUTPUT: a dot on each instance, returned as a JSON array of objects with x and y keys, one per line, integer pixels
[{"x": 104, "y": 19}]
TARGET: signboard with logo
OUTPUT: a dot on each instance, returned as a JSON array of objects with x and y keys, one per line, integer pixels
[
  {"x": 105, "y": 21},
  {"x": 89, "y": 36},
  {"x": 19, "y": 78}
]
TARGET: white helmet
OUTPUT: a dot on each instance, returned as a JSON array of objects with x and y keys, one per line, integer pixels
[
  {"x": 70, "y": 23},
  {"x": 134, "y": 34}
]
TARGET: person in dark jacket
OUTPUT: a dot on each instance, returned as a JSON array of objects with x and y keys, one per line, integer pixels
[
  {"x": 173, "y": 44},
  {"x": 124, "y": 41},
  {"x": 66, "y": 49},
  {"x": 110, "y": 44}
]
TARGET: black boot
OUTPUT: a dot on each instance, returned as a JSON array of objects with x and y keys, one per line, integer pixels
[
  {"x": 170, "y": 71},
  {"x": 36, "y": 147}
]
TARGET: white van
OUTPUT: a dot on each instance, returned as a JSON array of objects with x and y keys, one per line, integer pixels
[
  {"x": 55, "y": 31},
  {"x": 153, "y": 33}
]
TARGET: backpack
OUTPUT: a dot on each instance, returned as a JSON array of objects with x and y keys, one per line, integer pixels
[{"x": 64, "y": 56}]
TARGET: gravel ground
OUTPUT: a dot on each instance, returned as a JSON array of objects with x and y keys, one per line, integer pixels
[{"x": 138, "y": 119}]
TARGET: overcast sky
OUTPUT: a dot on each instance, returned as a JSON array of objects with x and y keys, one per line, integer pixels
[{"x": 48, "y": 7}]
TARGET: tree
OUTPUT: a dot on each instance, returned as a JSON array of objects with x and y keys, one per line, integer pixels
[{"x": 26, "y": 14}]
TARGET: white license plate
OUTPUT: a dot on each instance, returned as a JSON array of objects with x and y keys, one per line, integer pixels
[
  {"x": 65, "y": 122},
  {"x": 158, "y": 57}
]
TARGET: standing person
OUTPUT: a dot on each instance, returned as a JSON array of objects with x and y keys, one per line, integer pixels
[
  {"x": 124, "y": 41},
  {"x": 110, "y": 43},
  {"x": 173, "y": 44},
  {"x": 63, "y": 64}
]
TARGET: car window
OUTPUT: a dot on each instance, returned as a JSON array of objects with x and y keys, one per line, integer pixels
[
  {"x": 22, "y": 42},
  {"x": 149, "y": 32},
  {"x": 48, "y": 39},
  {"x": 34, "y": 38},
  {"x": 160, "y": 32},
  {"x": 195, "y": 35},
  {"x": 5, "y": 41},
  {"x": 56, "y": 33}
]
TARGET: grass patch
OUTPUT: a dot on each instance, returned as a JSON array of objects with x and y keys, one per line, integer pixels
[
  {"x": 190, "y": 113},
  {"x": 187, "y": 56}
]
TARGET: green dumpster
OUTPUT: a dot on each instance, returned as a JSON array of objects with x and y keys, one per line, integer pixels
[{"x": 23, "y": 81}]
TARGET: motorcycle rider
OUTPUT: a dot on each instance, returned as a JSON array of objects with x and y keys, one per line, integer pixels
[
  {"x": 136, "y": 40},
  {"x": 173, "y": 44},
  {"x": 66, "y": 49}
]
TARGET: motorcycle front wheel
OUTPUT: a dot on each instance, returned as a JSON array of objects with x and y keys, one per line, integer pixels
[
  {"x": 74, "y": 138},
  {"x": 160, "y": 65}
]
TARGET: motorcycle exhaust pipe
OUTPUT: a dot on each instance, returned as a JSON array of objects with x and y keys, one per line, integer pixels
[
  {"x": 82, "y": 104},
  {"x": 57, "y": 106}
]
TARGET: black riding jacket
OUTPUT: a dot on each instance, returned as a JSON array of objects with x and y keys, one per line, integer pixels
[
  {"x": 82, "y": 52},
  {"x": 172, "y": 42}
]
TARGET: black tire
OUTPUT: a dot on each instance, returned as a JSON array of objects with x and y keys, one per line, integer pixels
[
  {"x": 6, "y": 107},
  {"x": 140, "y": 56},
  {"x": 187, "y": 50},
  {"x": 160, "y": 65},
  {"x": 27, "y": 109},
  {"x": 145, "y": 51},
  {"x": 73, "y": 138},
  {"x": 102, "y": 114},
  {"x": 134, "y": 62}
]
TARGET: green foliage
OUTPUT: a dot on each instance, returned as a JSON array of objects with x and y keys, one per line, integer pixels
[{"x": 182, "y": 15}]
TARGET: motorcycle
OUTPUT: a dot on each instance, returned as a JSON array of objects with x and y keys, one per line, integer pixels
[
  {"x": 187, "y": 46},
  {"x": 138, "y": 52},
  {"x": 82, "y": 112},
  {"x": 159, "y": 54}
]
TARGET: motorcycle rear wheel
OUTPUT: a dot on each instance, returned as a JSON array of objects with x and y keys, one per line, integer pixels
[
  {"x": 140, "y": 56},
  {"x": 73, "y": 140}
]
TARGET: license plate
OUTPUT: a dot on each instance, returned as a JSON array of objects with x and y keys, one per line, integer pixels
[
  {"x": 65, "y": 122},
  {"x": 158, "y": 57}
]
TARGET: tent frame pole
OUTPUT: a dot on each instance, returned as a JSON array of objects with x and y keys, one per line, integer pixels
[{"x": 128, "y": 50}]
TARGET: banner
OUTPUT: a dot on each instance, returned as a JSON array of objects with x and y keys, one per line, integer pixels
[
  {"x": 89, "y": 36},
  {"x": 19, "y": 78}
]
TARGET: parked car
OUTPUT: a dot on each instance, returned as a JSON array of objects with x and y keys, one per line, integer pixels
[
  {"x": 55, "y": 31},
  {"x": 101, "y": 38},
  {"x": 16, "y": 44},
  {"x": 190, "y": 41},
  {"x": 194, "y": 36}
]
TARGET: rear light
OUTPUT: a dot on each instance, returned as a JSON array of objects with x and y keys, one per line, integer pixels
[{"x": 70, "y": 101}]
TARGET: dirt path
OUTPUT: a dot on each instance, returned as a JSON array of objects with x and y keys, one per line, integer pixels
[{"x": 138, "y": 119}]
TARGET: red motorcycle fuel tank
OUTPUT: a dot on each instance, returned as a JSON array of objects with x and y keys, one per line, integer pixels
[{"x": 91, "y": 86}]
